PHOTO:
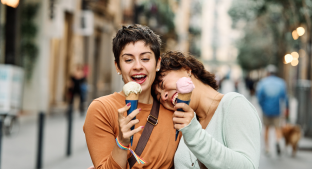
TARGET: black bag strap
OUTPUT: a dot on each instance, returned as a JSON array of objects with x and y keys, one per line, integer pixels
[{"x": 152, "y": 121}]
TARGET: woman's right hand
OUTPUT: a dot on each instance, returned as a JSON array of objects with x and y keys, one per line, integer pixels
[
  {"x": 182, "y": 119},
  {"x": 125, "y": 124}
]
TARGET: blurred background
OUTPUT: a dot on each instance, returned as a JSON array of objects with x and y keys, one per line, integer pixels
[{"x": 45, "y": 45}]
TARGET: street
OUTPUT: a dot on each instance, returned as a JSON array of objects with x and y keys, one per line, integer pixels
[{"x": 19, "y": 150}]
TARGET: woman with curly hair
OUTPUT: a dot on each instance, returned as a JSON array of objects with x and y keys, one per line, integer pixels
[{"x": 224, "y": 131}]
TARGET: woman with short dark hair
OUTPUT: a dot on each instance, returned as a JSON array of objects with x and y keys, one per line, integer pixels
[{"x": 108, "y": 128}]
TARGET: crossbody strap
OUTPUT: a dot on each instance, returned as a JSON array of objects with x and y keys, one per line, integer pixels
[{"x": 152, "y": 121}]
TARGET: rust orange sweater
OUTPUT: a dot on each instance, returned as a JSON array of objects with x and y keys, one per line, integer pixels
[{"x": 101, "y": 129}]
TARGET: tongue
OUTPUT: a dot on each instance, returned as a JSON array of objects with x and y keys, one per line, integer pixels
[{"x": 139, "y": 79}]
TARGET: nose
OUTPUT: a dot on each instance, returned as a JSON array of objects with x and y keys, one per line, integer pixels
[
  {"x": 138, "y": 65},
  {"x": 164, "y": 96}
]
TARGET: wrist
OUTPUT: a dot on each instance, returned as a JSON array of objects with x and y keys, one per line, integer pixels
[
  {"x": 121, "y": 145},
  {"x": 124, "y": 142}
]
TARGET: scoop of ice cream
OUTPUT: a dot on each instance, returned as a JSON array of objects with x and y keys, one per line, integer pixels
[
  {"x": 132, "y": 87},
  {"x": 185, "y": 85}
]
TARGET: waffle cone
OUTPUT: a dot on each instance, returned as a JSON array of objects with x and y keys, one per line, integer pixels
[
  {"x": 185, "y": 96},
  {"x": 132, "y": 96}
]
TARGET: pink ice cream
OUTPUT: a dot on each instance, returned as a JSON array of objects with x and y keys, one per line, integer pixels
[{"x": 185, "y": 85}]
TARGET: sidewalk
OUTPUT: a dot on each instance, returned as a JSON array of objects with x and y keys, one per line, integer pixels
[
  {"x": 285, "y": 161},
  {"x": 19, "y": 151}
]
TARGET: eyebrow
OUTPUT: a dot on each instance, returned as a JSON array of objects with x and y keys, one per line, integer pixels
[{"x": 129, "y": 54}]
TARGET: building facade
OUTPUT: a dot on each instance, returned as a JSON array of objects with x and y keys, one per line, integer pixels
[{"x": 69, "y": 33}]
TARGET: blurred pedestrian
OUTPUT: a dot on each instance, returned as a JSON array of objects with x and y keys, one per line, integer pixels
[
  {"x": 228, "y": 85},
  {"x": 77, "y": 87},
  {"x": 236, "y": 83},
  {"x": 250, "y": 85},
  {"x": 272, "y": 95}
]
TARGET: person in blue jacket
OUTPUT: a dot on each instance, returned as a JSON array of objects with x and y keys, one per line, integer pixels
[{"x": 272, "y": 95}]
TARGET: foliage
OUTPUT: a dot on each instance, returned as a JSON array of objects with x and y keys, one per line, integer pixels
[
  {"x": 274, "y": 20},
  {"x": 254, "y": 51},
  {"x": 162, "y": 12},
  {"x": 29, "y": 49},
  {"x": 158, "y": 15}
]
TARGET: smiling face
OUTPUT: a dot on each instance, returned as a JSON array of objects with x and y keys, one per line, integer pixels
[
  {"x": 137, "y": 63},
  {"x": 167, "y": 90}
]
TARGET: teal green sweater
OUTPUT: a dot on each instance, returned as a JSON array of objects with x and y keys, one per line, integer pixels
[{"x": 230, "y": 141}]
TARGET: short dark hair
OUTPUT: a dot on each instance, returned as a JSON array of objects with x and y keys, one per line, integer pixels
[
  {"x": 132, "y": 34},
  {"x": 176, "y": 61}
]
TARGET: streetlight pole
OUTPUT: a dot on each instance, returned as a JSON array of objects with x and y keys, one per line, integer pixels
[{"x": 1, "y": 117}]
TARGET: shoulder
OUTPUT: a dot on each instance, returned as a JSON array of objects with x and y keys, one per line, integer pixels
[
  {"x": 237, "y": 108},
  {"x": 163, "y": 109},
  {"x": 106, "y": 106},
  {"x": 266, "y": 80},
  {"x": 229, "y": 97},
  {"x": 164, "y": 113},
  {"x": 234, "y": 99},
  {"x": 235, "y": 104},
  {"x": 114, "y": 98},
  {"x": 280, "y": 80},
  {"x": 102, "y": 112}
]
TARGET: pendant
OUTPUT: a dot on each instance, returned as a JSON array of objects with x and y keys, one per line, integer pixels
[{"x": 192, "y": 164}]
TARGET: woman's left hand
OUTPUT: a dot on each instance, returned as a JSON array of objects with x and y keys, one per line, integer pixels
[{"x": 182, "y": 119}]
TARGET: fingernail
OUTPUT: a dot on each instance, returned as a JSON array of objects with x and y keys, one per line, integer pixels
[
  {"x": 142, "y": 127},
  {"x": 128, "y": 104},
  {"x": 139, "y": 109}
]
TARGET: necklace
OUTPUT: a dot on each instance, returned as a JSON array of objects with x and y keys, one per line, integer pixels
[{"x": 206, "y": 114}]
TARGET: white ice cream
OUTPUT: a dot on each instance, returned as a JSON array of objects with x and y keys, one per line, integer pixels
[{"x": 132, "y": 87}]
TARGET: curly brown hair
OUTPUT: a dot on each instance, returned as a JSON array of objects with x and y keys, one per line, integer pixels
[{"x": 173, "y": 60}]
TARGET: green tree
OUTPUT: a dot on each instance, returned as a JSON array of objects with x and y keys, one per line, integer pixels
[{"x": 274, "y": 20}]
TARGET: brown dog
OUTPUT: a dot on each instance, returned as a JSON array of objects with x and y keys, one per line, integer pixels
[{"x": 292, "y": 134}]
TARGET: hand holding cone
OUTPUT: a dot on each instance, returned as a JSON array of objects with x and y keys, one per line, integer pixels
[
  {"x": 185, "y": 87},
  {"x": 132, "y": 91}
]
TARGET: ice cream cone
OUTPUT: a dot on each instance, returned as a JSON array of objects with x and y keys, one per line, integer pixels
[
  {"x": 132, "y": 91},
  {"x": 185, "y": 87},
  {"x": 185, "y": 96},
  {"x": 132, "y": 96}
]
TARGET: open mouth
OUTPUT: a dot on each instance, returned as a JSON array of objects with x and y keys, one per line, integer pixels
[
  {"x": 174, "y": 99},
  {"x": 139, "y": 78}
]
